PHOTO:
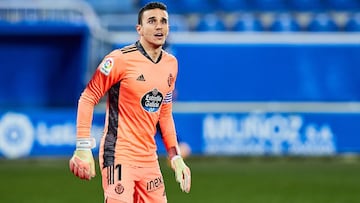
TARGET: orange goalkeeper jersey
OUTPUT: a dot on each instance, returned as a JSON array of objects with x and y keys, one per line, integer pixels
[{"x": 139, "y": 96}]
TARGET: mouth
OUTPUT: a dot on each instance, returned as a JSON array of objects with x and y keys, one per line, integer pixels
[{"x": 159, "y": 35}]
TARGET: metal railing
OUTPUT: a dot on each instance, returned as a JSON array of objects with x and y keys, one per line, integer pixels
[{"x": 44, "y": 10}]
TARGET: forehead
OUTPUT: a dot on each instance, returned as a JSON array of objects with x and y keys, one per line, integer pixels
[{"x": 157, "y": 13}]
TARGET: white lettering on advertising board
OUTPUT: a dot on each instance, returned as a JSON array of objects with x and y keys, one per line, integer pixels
[{"x": 266, "y": 134}]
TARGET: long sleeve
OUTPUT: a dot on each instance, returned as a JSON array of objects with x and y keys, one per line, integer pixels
[
  {"x": 167, "y": 126},
  {"x": 103, "y": 78}
]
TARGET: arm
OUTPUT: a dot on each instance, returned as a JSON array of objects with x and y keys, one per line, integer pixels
[
  {"x": 167, "y": 129},
  {"x": 82, "y": 162},
  {"x": 168, "y": 135}
]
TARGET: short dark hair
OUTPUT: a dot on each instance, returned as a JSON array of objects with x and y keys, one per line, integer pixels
[{"x": 149, "y": 6}]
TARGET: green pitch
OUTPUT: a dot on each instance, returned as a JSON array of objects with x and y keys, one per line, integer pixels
[{"x": 215, "y": 179}]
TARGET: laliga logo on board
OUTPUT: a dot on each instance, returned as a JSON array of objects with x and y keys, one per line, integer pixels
[{"x": 16, "y": 135}]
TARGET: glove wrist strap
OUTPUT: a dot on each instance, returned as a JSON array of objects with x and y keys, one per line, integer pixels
[
  {"x": 85, "y": 143},
  {"x": 175, "y": 157}
]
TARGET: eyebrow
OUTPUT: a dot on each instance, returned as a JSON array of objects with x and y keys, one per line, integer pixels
[{"x": 153, "y": 17}]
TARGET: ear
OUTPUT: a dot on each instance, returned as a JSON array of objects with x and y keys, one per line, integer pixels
[{"x": 138, "y": 29}]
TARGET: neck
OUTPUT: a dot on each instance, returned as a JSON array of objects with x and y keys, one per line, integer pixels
[{"x": 151, "y": 50}]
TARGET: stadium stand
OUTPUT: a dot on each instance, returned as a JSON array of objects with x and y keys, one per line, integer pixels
[
  {"x": 232, "y": 5},
  {"x": 285, "y": 22},
  {"x": 119, "y": 22},
  {"x": 179, "y": 23},
  {"x": 353, "y": 23},
  {"x": 210, "y": 22},
  {"x": 219, "y": 15},
  {"x": 266, "y": 5},
  {"x": 197, "y": 6},
  {"x": 113, "y": 6},
  {"x": 349, "y": 5},
  {"x": 247, "y": 22},
  {"x": 174, "y": 6},
  {"x": 51, "y": 35},
  {"x": 305, "y": 5},
  {"x": 322, "y": 22},
  {"x": 306, "y": 15}
]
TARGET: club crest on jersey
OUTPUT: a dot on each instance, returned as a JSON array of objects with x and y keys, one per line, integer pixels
[
  {"x": 151, "y": 101},
  {"x": 119, "y": 189},
  {"x": 106, "y": 66}
]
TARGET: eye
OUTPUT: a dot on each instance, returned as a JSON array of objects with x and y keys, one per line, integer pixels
[
  {"x": 164, "y": 21},
  {"x": 151, "y": 21}
]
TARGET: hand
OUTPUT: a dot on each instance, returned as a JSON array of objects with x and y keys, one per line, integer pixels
[
  {"x": 82, "y": 162},
  {"x": 182, "y": 173}
]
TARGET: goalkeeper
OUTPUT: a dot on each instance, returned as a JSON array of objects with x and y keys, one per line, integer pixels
[{"x": 139, "y": 80}]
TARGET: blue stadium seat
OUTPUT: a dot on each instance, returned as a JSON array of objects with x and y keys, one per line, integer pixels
[
  {"x": 269, "y": 5},
  {"x": 343, "y": 4},
  {"x": 210, "y": 22},
  {"x": 247, "y": 23},
  {"x": 112, "y": 6},
  {"x": 124, "y": 22},
  {"x": 306, "y": 5},
  {"x": 173, "y": 6},
  {"x": 232, "y": 5},
  {"x": 142, "y": 3},
  {"x": 197, "y": 6},
  {"x": 322, "y": 22},
  {"x": 353, "y": 23},
  {"x": 178, "y": 23},
  {"x": 285, "y": 22}
]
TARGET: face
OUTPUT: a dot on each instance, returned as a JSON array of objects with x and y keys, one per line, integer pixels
[{"x": 154, "y": 27}]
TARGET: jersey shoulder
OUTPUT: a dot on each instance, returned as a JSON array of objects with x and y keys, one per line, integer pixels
[
  {"x": 169, "y": 56},
  {"x": 115, "y": 61},
  {"x": 122, "y": 51},
  {"x": 128, "y": 49}
]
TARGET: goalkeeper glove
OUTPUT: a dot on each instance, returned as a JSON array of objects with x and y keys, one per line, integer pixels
[
  {"x": 82, "y": 162},
  {"x": 182, "y": 173}
]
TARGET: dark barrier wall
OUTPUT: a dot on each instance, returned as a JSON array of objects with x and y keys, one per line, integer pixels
[{"x": 42, "y": 65}]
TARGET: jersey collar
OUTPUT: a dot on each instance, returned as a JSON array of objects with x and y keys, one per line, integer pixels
[{"x": 143, "y": 52}]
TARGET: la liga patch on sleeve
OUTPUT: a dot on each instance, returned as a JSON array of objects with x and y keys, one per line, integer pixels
[{"x": 106, "y": 66}]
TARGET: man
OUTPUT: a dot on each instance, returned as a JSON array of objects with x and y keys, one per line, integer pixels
[{"x": 139, "y": 80}]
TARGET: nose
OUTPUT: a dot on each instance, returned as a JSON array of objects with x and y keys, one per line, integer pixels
[{"x": 159, "y": 26}]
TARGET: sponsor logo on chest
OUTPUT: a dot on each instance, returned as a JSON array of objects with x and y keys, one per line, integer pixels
[{"x": 152, "y": 100}]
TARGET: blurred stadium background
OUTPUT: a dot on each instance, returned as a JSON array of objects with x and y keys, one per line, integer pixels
[{"x": 268, "y": 96}]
